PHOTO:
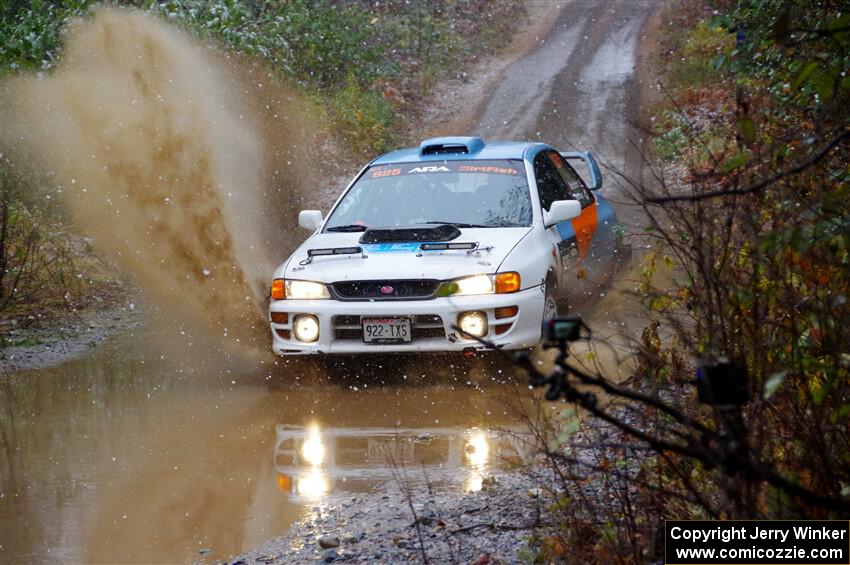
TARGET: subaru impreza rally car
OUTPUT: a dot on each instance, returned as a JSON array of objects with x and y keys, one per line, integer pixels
[{"x": 431, "y": 247}]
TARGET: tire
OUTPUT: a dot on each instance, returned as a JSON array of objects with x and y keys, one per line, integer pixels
[{"x": 550, "y": 300}]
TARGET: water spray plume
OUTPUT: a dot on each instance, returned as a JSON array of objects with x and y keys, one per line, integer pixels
[{"x": 160, "y": 156}]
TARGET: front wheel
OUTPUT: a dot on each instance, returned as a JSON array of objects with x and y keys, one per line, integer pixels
[{"x": 550, "y": 302}]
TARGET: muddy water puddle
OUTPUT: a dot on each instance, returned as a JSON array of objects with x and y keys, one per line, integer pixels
[{"x": 133, "y": 456}]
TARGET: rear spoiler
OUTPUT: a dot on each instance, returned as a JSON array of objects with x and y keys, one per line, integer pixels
[{"x": 593, "y": 171}]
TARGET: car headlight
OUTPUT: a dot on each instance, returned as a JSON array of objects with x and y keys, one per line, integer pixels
[
  {"x": 501, "y": 283},
  {"x": 476, "y": 284},
  {"x": 305, "y": 290}
]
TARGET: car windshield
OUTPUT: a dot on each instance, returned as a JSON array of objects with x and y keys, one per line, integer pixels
[{"x": 492, "y": 193}]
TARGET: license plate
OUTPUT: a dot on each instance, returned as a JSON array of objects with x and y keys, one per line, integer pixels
[{"x": 386, "y": 330}]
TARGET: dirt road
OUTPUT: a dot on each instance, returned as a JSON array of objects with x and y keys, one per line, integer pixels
[{"x": 578, "y": 90}]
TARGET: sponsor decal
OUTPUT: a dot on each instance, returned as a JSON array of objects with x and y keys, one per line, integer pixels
[
  {"x": 556, "y": 159},
  {"x": 429, "y": 170},
  {"x": 487, "y": 169},
  {"x": 406, "y": 247},
  {"x": 492, "y": 167},
  {"x": 411, "y": 247}
]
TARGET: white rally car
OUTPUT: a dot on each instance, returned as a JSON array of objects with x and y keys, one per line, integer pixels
[{"x": 430, "y": 246}]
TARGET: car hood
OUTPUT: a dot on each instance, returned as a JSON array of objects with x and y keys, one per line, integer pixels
[{"x": 401, "y": 260}]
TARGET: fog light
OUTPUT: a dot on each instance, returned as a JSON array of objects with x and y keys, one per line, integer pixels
[
  {"x": 306, "y": 328},
  {"x": 473, "y": 323}
]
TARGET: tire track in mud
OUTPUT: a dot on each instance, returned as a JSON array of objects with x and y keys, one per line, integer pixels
[{"x": 577, "y": 90}]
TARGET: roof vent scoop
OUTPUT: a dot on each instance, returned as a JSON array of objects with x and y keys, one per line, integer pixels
[{"x": 451, "y": 146}]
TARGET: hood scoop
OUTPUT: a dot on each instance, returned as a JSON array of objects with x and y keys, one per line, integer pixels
[{"x": 425, "y": 232}]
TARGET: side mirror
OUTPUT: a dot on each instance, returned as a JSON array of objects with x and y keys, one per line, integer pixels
[
  {"x": 594, "y": 174},
  {"x": 310, "y": 219},
  {"x": 561, "y": 211}
]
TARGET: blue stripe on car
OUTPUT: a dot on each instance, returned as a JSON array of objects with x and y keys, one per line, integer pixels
[
  {"x": 565, "y": 229},
  {"x": 411, "y": 247}
]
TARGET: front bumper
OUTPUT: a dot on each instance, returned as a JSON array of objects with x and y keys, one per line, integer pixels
[{"x": 432, "y": 323}]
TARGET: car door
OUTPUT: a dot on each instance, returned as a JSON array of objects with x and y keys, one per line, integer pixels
[
  {"x": 607, "y": 237},
  {"x": 556, "y": 180}
]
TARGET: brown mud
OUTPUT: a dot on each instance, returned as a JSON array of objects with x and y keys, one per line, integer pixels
[{"x": 183, "y": 164}]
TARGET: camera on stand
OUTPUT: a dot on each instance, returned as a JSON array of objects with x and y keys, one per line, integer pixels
[
  {"x": 564, "y": 329},
  {"x": 723, "y": 383}
]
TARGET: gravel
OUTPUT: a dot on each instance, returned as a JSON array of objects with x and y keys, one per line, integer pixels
[
  {"x": 487, "y": 526},
  {"x": 46, "y": 345}
]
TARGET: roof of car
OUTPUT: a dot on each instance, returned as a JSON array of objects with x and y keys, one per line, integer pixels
[{"x": 471, "y": 148}]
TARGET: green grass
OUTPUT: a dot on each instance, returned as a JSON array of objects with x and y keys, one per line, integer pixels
[{"x": 705, "y": 47}]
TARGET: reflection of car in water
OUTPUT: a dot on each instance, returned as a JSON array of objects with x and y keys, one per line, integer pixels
[
  {"x": 491, "y": 238},
  {"x": 312, "y": 462}
]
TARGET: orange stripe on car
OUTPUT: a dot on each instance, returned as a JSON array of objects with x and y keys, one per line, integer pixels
[{"x": 584, "y": 227}]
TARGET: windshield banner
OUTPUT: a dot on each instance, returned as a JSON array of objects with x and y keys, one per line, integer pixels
[{"x": 499, "y": 167}]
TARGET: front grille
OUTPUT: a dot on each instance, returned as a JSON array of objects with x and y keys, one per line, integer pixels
[
  {"x": 385, "y": 290},
  {"x": 422, "y": 327}
]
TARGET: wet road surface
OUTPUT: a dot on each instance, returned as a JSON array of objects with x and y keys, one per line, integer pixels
[
  {"x": 132, "y": 455},
  {"x": 578, "y": 91},
  {"x": 149, "y": 451}
]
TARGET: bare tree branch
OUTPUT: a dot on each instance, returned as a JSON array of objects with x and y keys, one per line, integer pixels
[{"x": 805, "y": 164}]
